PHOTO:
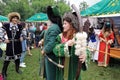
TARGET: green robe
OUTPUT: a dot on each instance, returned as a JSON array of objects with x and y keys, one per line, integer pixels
[
  {"x": 60, "y": 52},
  {"x": 49, "y": 43}
]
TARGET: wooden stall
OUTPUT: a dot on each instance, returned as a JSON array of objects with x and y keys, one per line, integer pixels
[{"x": 115, "y": 51}]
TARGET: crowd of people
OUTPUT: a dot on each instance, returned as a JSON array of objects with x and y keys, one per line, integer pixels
[{"x": 63, "y": 46}]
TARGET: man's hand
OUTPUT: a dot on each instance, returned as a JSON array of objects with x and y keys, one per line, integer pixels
[
  {"x": 7, "y": 41},
  {"x": 42, "y": 52},
  {"x": 39, "y": 43},
  {"x": 0, "y": 40},
  {"x": 21, "y": 38}
]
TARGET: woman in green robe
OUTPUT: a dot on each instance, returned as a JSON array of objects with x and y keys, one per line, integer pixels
[{"x": 66, "y": 49}]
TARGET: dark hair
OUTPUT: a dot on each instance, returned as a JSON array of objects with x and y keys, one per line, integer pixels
[
  {"x": 45, "y": 24},
  {"x": 22, "y": 23},
  {"x": 67, "y": 19},
  {"x": 14, "y": 17}
]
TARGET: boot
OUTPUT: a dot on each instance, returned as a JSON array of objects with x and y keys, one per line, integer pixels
[
  {"x": 4, "y": 70},
  {"x": 19, "y": 71},
  {"x": 17, "y": 63}
]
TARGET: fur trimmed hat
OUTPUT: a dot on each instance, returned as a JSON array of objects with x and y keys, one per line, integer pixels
[
  {"x": 71, "y": 18},
  {"x": 14, "y": 14}
]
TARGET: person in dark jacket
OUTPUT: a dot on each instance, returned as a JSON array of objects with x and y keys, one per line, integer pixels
[
  {"x": 14, "y": 48},
  {"x": 49, "y": 40}
]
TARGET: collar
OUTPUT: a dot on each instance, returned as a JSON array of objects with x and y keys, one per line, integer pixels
[{"x": 11, "y": 24}]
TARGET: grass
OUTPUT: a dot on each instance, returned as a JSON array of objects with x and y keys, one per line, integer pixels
[
  {"x": 31, "y": 72},
  {"x": 101, "y": 73}
]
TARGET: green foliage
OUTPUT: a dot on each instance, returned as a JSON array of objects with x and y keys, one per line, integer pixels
[
  {"x": 27, "y": 8},
  {"x": 2, "y": 9},
  {"x": 83, "y": 5},
  {"x": 40, "y": 5},
  {"x": 63, "y": 7},
  {"x": 21, "y": 7}
]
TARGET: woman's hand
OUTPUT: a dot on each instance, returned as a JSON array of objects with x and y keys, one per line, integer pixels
[
  {"x": 70, "y": 42},
  {"x": 82, "y": 57},
  {"x": 109, "y": 42},
  {"x": 101, "y": 39}
]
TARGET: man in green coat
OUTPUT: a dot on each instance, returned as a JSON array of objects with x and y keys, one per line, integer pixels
[{"x": 49, "y": 41}]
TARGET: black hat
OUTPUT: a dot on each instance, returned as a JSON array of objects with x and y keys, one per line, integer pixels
[
  {"x": 54, "y": 15},
  {"x": 107, "y": 23},
  {"x": 53, "y": 10}
]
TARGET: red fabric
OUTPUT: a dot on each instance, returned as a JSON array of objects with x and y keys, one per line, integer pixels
[
  {"x": 1, "y": 77},
  {"x": 63, "y": 40},
  {"x": 101, "y": 56},
  {"x": 45, "y": 27}
]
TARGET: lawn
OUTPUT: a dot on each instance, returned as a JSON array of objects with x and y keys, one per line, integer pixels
[{"x": 31, "y": 72}]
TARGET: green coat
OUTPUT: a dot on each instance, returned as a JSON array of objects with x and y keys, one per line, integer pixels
[
  {"x": 60, "y": 52},
  {"x": 49, "y": 43}
]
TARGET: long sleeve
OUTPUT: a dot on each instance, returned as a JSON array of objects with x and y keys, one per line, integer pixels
[
  {"x": 112, "y": 36},
  {"x": 41, "y": 36},
  {"x": 60, "y": 49},
  {"x": 50, "y": 37}
]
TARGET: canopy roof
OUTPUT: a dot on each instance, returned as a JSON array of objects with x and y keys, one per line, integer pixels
[
  {"x": 3, "y": 18},
  {"x": 38, "y": 17},
  {"x": 104, "y": 7}
]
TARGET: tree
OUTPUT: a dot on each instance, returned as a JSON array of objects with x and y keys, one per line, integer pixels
[
  {"x": 83, "y": 5},
  {"x": 27, "y": 8},
  {"x": 63, "y": 7},
  {"x": 40, "y": 5},
  {"x": 21, "y": 7},
  {"x": 2, "y": 9}
]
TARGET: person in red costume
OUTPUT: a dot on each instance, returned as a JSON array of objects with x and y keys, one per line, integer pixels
[{"x": 106, "y": 39}]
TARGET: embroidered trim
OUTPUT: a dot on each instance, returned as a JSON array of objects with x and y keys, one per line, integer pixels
[
  {"x": 66, "y": 50},
  {"x": 8, "y": 58}
]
